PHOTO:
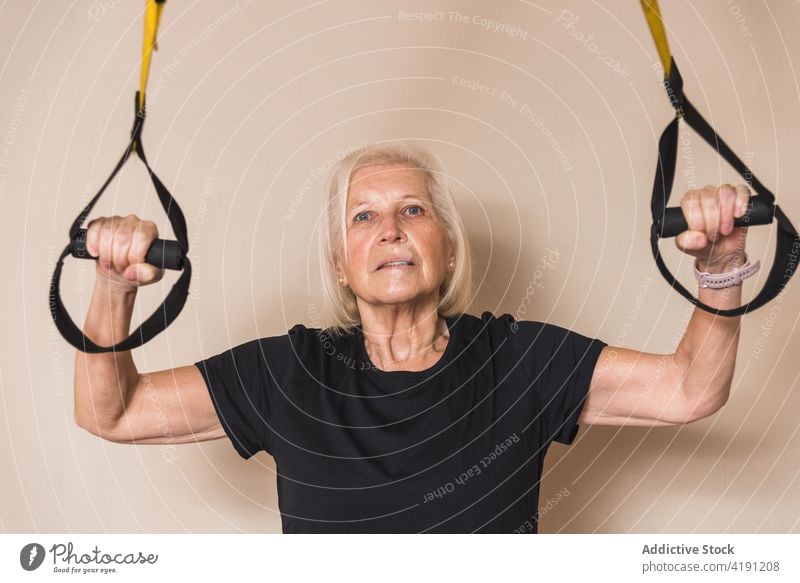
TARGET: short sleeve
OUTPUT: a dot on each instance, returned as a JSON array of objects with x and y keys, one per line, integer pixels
[
  {"x": 560, "y": 364},
  {"x": 245, "y": 384}
]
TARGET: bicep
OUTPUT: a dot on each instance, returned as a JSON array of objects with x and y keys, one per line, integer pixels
[
  {"x": 629, "y": 387},
  {"x": 171, "y": 406}
]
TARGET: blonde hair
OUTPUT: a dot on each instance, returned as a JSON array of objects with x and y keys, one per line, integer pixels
[{"x": 339, "y": 303}]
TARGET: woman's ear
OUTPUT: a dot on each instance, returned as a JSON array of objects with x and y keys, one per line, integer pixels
[
  {"x": 337, "y": 264},
  {"x": 341, "y": 276},
  {"x": 452, "y": 261}
]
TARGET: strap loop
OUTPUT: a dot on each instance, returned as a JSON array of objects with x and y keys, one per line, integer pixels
[
  {"x": 787, "y": 246},
  {"x": 175, "y": 300}
]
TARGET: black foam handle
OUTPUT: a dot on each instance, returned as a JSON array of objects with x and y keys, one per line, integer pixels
[
  {"x": 162, "y": 253},
  {"x": 759, "y": 212}
]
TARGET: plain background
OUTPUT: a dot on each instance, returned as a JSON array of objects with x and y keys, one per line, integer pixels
[{"x": 251, "y": 103}]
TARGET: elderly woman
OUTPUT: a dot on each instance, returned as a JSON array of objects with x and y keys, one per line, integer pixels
[{"x": 405, "y": 414}]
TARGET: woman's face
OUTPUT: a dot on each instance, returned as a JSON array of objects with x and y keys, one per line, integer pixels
[{"x": 389, "y": 215}]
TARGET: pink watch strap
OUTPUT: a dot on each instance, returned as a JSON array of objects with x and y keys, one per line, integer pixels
[{"x": 728, "y": 279}]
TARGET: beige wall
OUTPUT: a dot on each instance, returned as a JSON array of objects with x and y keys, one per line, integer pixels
[{"x": 249, "y": 101}]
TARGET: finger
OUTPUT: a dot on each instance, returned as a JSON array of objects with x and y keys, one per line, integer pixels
[
  {"x": 742, "y": 199},
  {"x": 691, "y": 240},
  {"x": 690, "y": 205},
  {"x": 93, "y": 237},
  {"x": 709, "y": 202},
  {"x": 104, "y": 243},
  {"x": 139, "y": 246},
  {"x": 121, "y": 243},
  {"x": 727, "y": 206},
  {"x": 142, "y": 273},
  {"x": 131, "y": 273},
  {"x": 150, "y": 228},
  {"x": 146, "y": 233}
]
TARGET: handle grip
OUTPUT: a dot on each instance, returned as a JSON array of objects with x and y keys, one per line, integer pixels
[
  {"x": 758, "y": 212},
  {"x": 162, "y": 253}
]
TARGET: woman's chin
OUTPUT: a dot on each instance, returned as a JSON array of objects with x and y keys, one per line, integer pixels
[{"x": 399, "y": 294}]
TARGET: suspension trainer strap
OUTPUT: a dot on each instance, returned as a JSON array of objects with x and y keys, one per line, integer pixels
[
  {"x": 787, "y": 249},
  {"x": 152, "y": 17},
  {"x": 175, "y": 300}
]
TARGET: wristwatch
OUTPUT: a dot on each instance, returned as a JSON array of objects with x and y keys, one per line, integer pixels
[{"x": 728, "y": 279}]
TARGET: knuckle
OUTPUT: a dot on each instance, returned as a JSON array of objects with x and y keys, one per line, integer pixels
[
  {"x": 150, "y": 228},
  {"x": 139, "y": 245},
  {"x": 693, "y": 214},
  {"x": 708, "y": 202},
  {"x": 93, "y": 227},
  {"x": 689, "y": 201},
  {"x": 122, "y": 237}
]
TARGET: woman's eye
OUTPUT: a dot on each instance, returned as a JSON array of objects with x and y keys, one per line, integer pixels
[{"x": 413, "y": 210}]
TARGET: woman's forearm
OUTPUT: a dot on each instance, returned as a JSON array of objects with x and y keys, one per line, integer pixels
[
  {"x": 103, "y": 381},
  {"x": 707, "y": 351}
]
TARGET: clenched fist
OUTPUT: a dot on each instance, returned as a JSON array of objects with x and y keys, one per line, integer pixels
[
  {"x": 711, "y": 236},
  {"x": 120, "y": 245}
]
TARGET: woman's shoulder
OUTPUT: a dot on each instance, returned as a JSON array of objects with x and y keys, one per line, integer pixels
[
  {"x": 541, "y": 343},
  {"x": 296, "y": 337},
  {"x": 501, "y": 323},
  {"x": 520, "y": 332},
  {"x": 314, "y": 340}
]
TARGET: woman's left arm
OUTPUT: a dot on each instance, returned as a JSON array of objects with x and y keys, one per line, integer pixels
[{"x": 637, "y": 388}]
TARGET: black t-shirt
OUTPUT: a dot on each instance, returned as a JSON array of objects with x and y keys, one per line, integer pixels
[{"x": 458, "y": 447}]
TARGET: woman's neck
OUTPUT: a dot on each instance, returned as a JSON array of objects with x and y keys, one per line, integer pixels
[{"x": 406, "y": 339}]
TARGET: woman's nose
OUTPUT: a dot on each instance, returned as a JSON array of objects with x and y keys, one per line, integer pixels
[{"x": 391, "y": 229}]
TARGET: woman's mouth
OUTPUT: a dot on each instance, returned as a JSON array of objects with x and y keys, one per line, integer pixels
[
  {"x": 396, "y": 262},
  {"x": 396, "y": 265}
]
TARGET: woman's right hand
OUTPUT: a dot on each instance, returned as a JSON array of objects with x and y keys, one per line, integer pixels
[{"x": 120, "y": 245}]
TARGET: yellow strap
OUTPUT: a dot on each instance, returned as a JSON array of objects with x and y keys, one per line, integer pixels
[
  {"x": 152, "y": 15},
  {"x": 653, "y": 15}
]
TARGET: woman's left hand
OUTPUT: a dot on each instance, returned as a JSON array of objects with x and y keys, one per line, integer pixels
[{"x": 711, "y": 237}]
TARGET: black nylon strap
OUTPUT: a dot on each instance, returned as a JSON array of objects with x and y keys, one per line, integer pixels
[
  {"x": 787, "y": 248},
  {"x": 175, "y": 300}
]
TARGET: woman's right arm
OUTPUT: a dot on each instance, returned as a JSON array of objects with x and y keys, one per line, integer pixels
[{"x": 112, "y": 400}]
